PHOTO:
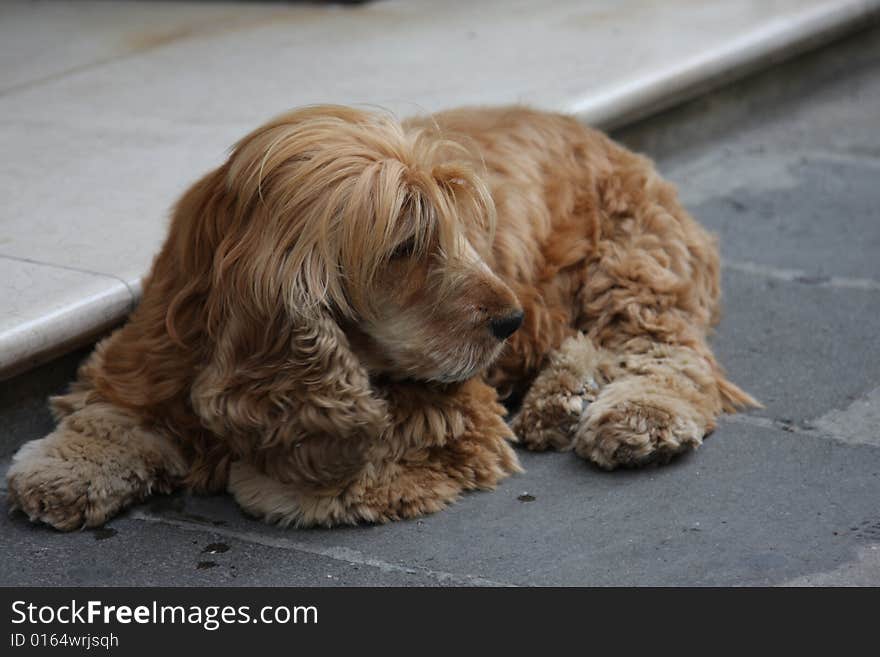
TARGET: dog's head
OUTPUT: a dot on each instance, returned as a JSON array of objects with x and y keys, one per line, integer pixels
[{"x": 332, "y": 212}]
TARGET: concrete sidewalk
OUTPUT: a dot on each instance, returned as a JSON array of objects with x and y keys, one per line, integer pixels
[{"x": 784, "y": 167}]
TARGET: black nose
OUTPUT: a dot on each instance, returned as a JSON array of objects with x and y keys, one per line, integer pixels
[{"x": 504, "y": 327}]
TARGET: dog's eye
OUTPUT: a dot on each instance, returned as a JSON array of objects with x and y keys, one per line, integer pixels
[{"x": 405, "y": 249}]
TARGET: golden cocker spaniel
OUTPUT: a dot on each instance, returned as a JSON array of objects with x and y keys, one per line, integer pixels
[{"x": 336, "y": 309}]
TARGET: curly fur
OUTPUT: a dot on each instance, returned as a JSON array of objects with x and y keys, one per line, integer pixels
[{"x": 319, "y": 333}]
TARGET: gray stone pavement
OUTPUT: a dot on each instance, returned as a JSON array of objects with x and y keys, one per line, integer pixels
[{"x": 785, "y": 167}]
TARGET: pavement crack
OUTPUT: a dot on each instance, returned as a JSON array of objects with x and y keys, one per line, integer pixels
[
  {"x": 346, "y": 555},
  {"x": 854, "y": 425},
  {"x": 769, "y": 423}
]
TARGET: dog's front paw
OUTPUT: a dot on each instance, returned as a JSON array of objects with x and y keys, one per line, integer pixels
[
  {"x": 560, "y": 395},
  {"x": 549, "y": 420},
  {"x": 72, "y": 479},
  {"x": 53, "y": 490},
  {"x": 66, "y": 493},
  {"x": 636, "y": 432}
]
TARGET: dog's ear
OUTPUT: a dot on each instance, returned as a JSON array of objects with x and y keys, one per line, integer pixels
[
  {"x": 272, "y": 381},
  {"x": 274, "y": 375}
]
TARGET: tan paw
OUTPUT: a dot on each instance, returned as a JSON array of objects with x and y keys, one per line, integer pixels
[
  {"x": 635, "y": 433},
  {"x": 54, "y": 490},
  {"x": 549, "y": 422},
  {"x": 71, "y": 480},
  {"x": 560, "y": 395}
]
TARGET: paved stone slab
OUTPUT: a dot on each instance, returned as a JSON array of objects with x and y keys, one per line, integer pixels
[
  {"x": 46, "y": 40},
  {"x": 801, "y": 349},
  {"x": 753, "y": 506},
  {"x": 821, "y": 218},
  {"x": 135, "y": 553}
]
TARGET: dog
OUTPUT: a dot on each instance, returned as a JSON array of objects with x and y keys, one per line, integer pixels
[{"x": 339, "y": 308}]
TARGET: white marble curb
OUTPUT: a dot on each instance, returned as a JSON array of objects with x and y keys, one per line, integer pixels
[{"x": 768, "y": 43}]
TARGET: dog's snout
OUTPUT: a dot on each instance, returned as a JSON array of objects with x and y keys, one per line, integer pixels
[{"x": 504, "y": 327}]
